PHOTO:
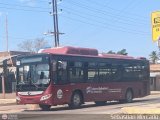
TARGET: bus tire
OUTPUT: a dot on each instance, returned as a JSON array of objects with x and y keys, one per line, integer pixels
[
  {"x": 76, "y": 100},
  {"x": 129, "y": 96},
  {"x": 45, "y": 107},
  {"x": 100, "y": 103}
]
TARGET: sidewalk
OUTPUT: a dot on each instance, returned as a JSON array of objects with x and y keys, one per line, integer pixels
[
  {"x": 155, "y": 92},
  {"x": 10, "y": 99},
  {"x": 146, "y": 109},
  {"x": 7, "y": 102},
  {"x": 8, "y": 96}
]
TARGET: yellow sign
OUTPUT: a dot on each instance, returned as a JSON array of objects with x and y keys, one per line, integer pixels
[{"x": 156, "y": 26}]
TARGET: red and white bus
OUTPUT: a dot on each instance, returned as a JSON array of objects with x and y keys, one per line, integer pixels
[{"x": 73, "y": 76}]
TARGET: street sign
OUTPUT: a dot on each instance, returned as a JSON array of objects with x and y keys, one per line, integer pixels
[{"x": 155, "y": 17}]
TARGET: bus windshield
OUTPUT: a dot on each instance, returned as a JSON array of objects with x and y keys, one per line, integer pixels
[
  {"x": 33, "y": 71},
  {"x": 34, "y": 74}
]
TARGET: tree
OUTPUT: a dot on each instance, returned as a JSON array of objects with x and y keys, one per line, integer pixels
[
  {"x": 26, "y": 46},
  {"x": 40, "y": 43},
  {"x": 122, "y": 52},
  {"x": 154, "y": 57},
  {"x": 33, "y": 45},
  {"x": 111, "y": 52}
]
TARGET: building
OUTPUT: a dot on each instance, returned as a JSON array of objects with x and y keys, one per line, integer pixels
[
  {"x": 155, "y": 77},
  {"x": 8, "y": 69}
]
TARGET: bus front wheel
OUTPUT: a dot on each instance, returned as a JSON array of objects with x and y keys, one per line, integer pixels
[
  {"x": 76, "y": 100},
  {"x": 45, "y": 107}
]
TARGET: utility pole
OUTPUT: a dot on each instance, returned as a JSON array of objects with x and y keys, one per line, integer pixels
[
  {"x": 57, "y": 23},
  {"x": 56, "y": 32},
  {"x": 7, "y": 34},
  {"x": 3, "y": 86},
  {"x": 55, "y": 20}
]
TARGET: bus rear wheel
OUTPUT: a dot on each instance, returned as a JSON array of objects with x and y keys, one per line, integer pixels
[
  {"x": 76, "y": 100},
  {"x": 45, "y": 107},
  {"x": 129, "y": 96}
]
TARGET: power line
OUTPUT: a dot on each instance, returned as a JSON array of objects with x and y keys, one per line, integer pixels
[
  {"x": 109, "y": 24},
  {"x": 43, "y": 1},
  {"x": 23, "y": 6},
  {"x": 22, "y": 38},
  {"x": 116, "y": 10},
  {"x": 123, "y": 10},
  {"x": 109, "y": 27},
  {"x": 119, "y": 26},
  {"x": 19, "y": 9},
  {"x": 103, "y": 18},
  {"x": 96, "y": 22},
  {"x": 10, "y": 6},
  {"x": 100, "y": 11}
]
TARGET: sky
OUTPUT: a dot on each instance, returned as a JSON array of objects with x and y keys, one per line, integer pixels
[{"x": 102, "y": 24}]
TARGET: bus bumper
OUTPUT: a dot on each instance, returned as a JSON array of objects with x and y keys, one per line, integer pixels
[{"x": 36, "y": 99}]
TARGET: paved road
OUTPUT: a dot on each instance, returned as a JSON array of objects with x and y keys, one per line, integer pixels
[
  {"x": 87, "y": 111},
  {"x": 90, "y": 108}
]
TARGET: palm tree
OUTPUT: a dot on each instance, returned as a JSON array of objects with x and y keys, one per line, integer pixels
[{"x": 154, "y": 57}]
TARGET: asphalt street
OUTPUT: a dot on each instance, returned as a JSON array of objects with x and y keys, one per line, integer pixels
[{"x": 89, "y": 111}]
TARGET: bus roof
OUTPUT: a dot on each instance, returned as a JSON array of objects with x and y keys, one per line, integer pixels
[
  {"x": 90, "y": 52},
  {"x": 72, "y": 50}
]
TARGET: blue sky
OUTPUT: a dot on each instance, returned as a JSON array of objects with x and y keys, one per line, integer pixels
[{"x": 101, "y": 24}]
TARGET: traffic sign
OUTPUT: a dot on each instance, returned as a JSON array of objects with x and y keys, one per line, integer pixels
[{"x": 155, "y": 17}]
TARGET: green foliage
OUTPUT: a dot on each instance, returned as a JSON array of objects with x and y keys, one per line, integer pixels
[
  {"x": 111, "y": 52},
  {"x": 121, "y": 52},
  {"x": 154, "y": 57}
]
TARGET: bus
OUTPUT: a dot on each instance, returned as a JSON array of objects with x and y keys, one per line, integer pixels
[{"x": 73, "y": 76}]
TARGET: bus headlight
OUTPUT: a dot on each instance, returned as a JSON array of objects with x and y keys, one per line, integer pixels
[
  {"x": 18, "y": 98},
  {"x": 45, "y": 97}
]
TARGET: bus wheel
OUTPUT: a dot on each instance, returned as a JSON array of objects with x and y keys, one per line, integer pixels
[
  {"x": 129, "y": 96},
  {"x": 99, "y": 103},
  {"x": 45, "y": 107},
  {"x": 76, "y": 100}
]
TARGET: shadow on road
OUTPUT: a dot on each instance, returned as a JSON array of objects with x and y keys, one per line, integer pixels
[{"x": 108, "y": 103}]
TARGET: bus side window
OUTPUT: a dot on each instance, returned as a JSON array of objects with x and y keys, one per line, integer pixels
[
  {"x": 62, "y": 72},
  {"x": 92, "y": 72},
  {"x": 76, "y": 72},
  {"x": 104, "y": 72},
  {"x": 117, "y": 72},
  {"x": 129, "y": 72}
]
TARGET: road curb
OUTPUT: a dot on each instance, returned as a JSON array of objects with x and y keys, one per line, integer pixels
[
  {"x": 155, "y": 92},
  {"x": 7, "y": 102}
]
